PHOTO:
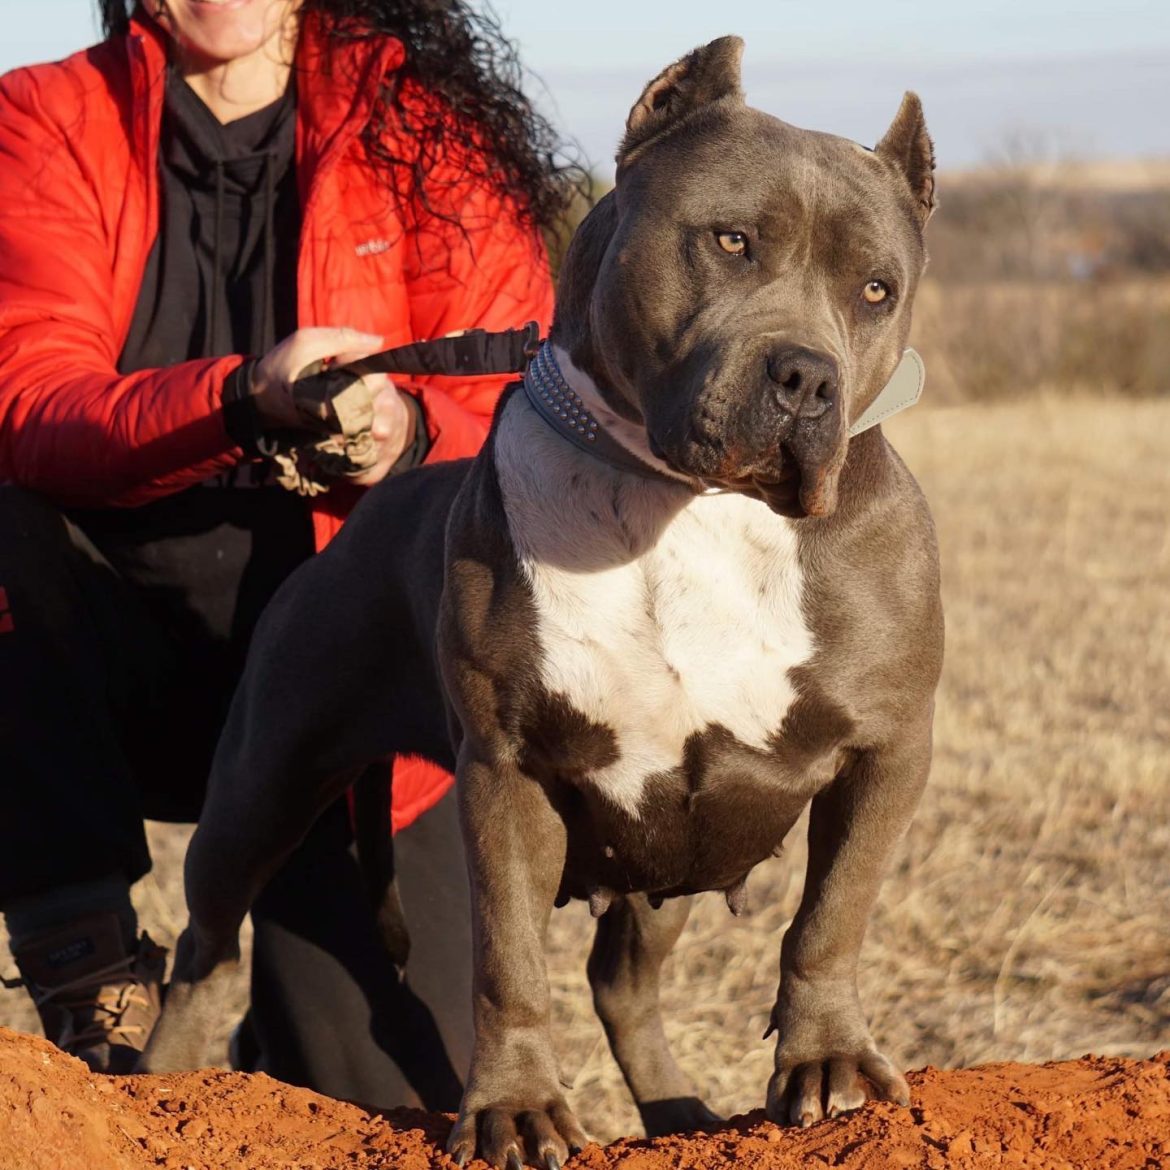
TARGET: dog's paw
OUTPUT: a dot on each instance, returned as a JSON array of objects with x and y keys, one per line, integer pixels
[
  {"x": 191, "y": 1014},
  {"x": 676, "y": 1115},
  {"x": 802, "y": 1092},
  {"x": 179, "y": 1041},
  {"x": 826, "y": 1060},
  {"x": 503, "y": 1132}
]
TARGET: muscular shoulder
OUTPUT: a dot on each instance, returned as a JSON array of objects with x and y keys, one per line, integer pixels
[
  {"x": 485, "y": 590},
  {"x": 884, "y": 517},
  {"x": 478, "y": 530},
  {"x": 872, "y": 575}
]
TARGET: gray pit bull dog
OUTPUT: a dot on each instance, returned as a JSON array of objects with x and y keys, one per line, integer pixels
[{"x": 645, "y": 652}]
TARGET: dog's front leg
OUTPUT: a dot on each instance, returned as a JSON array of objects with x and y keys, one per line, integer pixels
[
  {"x": 515, "y": 856},
  {"x": 824, "y": 1046}
]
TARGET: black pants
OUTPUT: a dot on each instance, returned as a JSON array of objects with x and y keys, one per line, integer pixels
[
  {"x": 125, "y": 636},
  {"x": 357, "y": 1021}
]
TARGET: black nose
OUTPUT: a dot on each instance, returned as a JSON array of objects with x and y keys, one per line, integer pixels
[{"x": 806, "y": 381}]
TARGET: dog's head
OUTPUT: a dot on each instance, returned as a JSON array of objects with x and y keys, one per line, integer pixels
[{"x": 744, "y": 292}]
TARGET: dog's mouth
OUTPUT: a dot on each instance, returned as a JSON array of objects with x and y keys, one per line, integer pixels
[
  {"x": 795, "y": 479},
  {"x": 778, "y": 487}
]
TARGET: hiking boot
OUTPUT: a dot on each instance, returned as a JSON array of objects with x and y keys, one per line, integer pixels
[{"x": 97, "y": 1000}]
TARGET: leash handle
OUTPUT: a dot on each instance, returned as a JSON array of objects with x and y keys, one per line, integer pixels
[
  {"x": 318, "y": 394},
  {"x": 336, "y": 409}
]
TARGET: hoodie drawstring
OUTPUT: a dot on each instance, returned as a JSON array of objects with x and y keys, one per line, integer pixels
[
  {"x": 267, "y": 318},
  {"x": 209, "y": 342}
]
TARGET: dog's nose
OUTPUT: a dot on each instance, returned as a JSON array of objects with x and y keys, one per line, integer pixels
[{"x": 806, "y": 381}]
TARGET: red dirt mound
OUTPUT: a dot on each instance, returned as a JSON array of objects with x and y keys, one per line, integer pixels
[{"x": 1104, "y": 1113}]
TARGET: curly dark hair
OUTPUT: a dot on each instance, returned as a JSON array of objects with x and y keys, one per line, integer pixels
[{"x": 461, "y": 57}]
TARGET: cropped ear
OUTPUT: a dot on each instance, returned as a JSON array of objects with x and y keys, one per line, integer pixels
[
  {"x": 908, "y": 146},
  {"x": 704, "y": 76}
]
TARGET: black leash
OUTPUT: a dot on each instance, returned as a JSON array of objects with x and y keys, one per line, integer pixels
[{"x": 474, "y": 352}]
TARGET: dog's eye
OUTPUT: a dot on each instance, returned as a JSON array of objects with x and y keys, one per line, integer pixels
[
  {"x": 733, "y": 243},
  {"x": 875, "y": 292}
]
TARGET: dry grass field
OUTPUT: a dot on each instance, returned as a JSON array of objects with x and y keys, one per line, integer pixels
[{"x": 1028, "y": 913}]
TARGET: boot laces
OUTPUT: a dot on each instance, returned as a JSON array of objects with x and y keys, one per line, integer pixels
[{"x": 108, "y": 993}]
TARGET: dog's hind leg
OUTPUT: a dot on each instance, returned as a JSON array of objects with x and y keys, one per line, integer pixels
[
  {"x": 340, "y": 674},
  {"x": 631, "y": 942},
  {"x": 267, "y": 788},
  {"x": 269, "y": 782},
  {"x": 227, "y": 866}
]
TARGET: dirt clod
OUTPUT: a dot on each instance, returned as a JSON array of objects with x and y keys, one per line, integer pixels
[{"x": 1106, "y": 1113}]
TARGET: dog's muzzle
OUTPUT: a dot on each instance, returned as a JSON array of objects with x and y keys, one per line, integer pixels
[{"x": 773, "y": 430}]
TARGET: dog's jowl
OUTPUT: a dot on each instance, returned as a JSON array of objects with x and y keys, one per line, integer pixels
[{"x": 677, "y": 604}]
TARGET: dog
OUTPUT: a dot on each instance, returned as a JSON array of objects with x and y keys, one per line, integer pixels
[{"x": 675, "y": 604}]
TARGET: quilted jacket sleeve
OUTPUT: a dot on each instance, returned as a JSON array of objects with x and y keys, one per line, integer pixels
[
  {"x": 70, "y": 426},
  {"x": 489, "y": 273}
]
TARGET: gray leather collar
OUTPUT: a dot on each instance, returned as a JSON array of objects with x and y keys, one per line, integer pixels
[{"x": 562, "y": 408}]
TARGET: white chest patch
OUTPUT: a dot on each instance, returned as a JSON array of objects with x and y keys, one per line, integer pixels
[{"x": 659, "y": 613}]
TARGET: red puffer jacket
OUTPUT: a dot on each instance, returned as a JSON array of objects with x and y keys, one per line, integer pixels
[{"x": 79, "y": 199}]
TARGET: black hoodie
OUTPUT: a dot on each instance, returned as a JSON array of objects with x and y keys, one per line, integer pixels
[{"x": 221, "y": 277}]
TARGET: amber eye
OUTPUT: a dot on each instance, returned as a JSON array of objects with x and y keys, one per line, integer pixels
[
  {"x": 734, "y": 243},
  {"x": 875, "y": 292}
]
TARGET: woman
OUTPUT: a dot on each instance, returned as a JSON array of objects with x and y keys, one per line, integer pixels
[{"x": 191, "y": 212}]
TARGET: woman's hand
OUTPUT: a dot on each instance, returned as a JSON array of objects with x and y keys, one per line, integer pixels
[
  {"x": 393, "y": 427},
  {"x": 276, "y": 371},
  {"x": 394, "y": 419}
]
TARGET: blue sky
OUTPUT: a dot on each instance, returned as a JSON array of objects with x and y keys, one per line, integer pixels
[{"x": 1075, "y": 79}]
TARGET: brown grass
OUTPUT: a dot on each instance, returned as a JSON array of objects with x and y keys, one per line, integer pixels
[{"x": 1028, "y": 914}]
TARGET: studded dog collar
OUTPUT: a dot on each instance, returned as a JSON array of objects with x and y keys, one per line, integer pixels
[{"x": 562, "y": 408}]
